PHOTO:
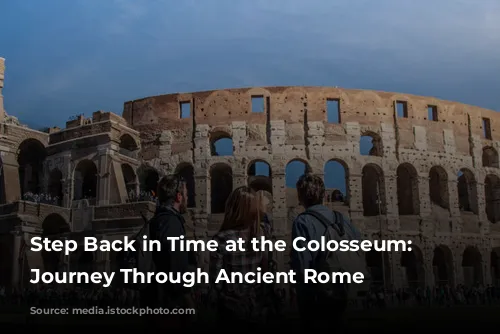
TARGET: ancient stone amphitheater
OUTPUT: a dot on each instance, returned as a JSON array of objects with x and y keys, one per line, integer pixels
[{"x": 431, "y": 175}]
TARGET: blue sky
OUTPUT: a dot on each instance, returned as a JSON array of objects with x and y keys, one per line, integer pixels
[{"x": 69, "y": 57}]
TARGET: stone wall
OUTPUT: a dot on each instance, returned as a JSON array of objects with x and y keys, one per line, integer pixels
[{"x": 425, "y": 149}]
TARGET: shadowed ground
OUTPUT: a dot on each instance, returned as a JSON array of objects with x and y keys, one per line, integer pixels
[{"x": 396, "y": 320}]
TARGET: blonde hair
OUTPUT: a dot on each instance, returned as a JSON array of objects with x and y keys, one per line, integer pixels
[{"x": 243, "y": 211}]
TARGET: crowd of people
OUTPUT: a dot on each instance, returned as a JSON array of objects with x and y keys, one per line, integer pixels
[
  {"x": 41, "y": 198},
  {"x": 142, "y": 196}
]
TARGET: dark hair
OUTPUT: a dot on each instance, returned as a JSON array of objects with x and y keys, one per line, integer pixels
[
  {"x": 168, "y": 188},
  {"x": 310, "y": 190}
]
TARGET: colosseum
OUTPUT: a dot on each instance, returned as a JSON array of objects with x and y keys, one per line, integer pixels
[{"x": 430, "y": 175}]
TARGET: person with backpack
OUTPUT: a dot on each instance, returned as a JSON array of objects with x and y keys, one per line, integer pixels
[
  {"x": 322, "y": 306},
  {"x": 169, "y": 222}
]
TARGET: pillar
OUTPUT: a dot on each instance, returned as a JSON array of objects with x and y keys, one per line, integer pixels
[
  {"x": 103, "y": 179},
  {"x": 2, "y": 73},
  {"x": 17, "y": 245}
]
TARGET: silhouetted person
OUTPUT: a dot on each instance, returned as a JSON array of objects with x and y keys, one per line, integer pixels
[
  {"x": 169, "y": 222},
  {"x": 239, "y": 304},
  {"x": 314, "y": 314}
]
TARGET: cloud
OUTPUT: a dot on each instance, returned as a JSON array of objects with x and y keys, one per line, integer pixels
[{"x": 132, "y": 48}]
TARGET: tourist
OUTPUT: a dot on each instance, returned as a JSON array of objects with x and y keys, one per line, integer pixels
[
  {"x": 169, "y": 222},
  {"x": 239, "y": 304},
  {"x": 311, "y": 192}
]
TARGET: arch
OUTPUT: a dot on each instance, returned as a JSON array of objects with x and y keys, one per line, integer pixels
[
  {"x": 130, "y": 180},
  {"x": 221, "y": 144},
  {"x": 379, "y": 266},
  {"x": 127, "y": 144},
  {"x": 442, "y": 263},
  {"x": 438, "y": 187},
  {"x": 467, "y": 191},
  {"x": 259, "y": 168},
  {"x": 186, "y": 171},
  {"x": 221, "y": 185},
  {"x": 490, "y": 157},
  {"x": 52, "y": 227},
  {"x": 373, "y": 190},
  {"x": 54, "y": 224},
  {"x": 495, "y": 266},
  {"x": 407, "y": 189},
  {"x": 370, "y": 144},
  {"x": 413, "y": 262},
  {"x": 260, "y": 176},
  {"x": 30, "y": 156},
  {"x": 337, "y": 177},
  {"x": 85, "y": 180},
  {"x": 492, "y": 198},
  {"x": 294, "y": 170},
  {"x": 472, "y": 266},
  {"x": 56, "y": 186},
  {"x": 148, "y": 181}
]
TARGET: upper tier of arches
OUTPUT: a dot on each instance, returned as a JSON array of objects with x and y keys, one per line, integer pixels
[{"x": 260, "y": 105}]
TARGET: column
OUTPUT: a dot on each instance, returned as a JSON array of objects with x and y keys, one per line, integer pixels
[
  {"x": 17, "y": 242},
  {"x": 391, "y": 201},
  {"x": 103, "y": 191}
]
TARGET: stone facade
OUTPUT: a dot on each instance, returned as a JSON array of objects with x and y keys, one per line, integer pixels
[{"x": 431, "y": 176}]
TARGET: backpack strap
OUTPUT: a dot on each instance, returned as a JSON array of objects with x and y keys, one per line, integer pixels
[{"x": 337, "y": 223}]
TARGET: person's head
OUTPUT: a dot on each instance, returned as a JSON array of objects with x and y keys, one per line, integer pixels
[
  {"x": 310, "y": 190},
  {"x": 172, "y": 191},
  {"x": 243, "y": 210}
]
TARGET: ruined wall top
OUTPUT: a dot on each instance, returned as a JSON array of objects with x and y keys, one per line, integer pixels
[
  {"x": 296, "y": 104},
  {"x": 2, "y": 73}
]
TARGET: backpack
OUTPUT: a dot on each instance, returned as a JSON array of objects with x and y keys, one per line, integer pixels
[
  {"x": 351, "y": 262},
  {"x": 138, "y": 259}
]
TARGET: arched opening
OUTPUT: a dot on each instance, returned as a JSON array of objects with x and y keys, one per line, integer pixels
[
  {"x": 221, "y": 184},
  {"x": 294, "y": 170},
  {"x": 467, "y": 191},
  {"x": 472, "y": 266},
  {"x": 373, "y": 188},
  {"x": 259, "y": 176},
  {"x": 52, "y": 227},
  {"x": 413, "y": 263},
  {"x": 379, "y": 267},
  {"x": 85, "y": 180},
  {"x": 442, "y": 263},
  {"x": 31, "y": 155},
  {"x": 186, "y": 171},
  {"x": 260, "y": 179},
  {"x": 55, "y": 186},
  {"x": 148, "y": 181},
  {"x": 127, "y": 143},
  {"x": 495, "y": 267},
  {"x": 408, "y": 195},
  {"x": 492, "y": 198},
  {"x": 337, "y": 180},
  {"x": 221, "y": 144},
  {"x": 438, "y": 187},
  {"x": 490, "y": 157},
  {"x": 130, "y": 180},
  {"x": 371, "y": 144}
]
